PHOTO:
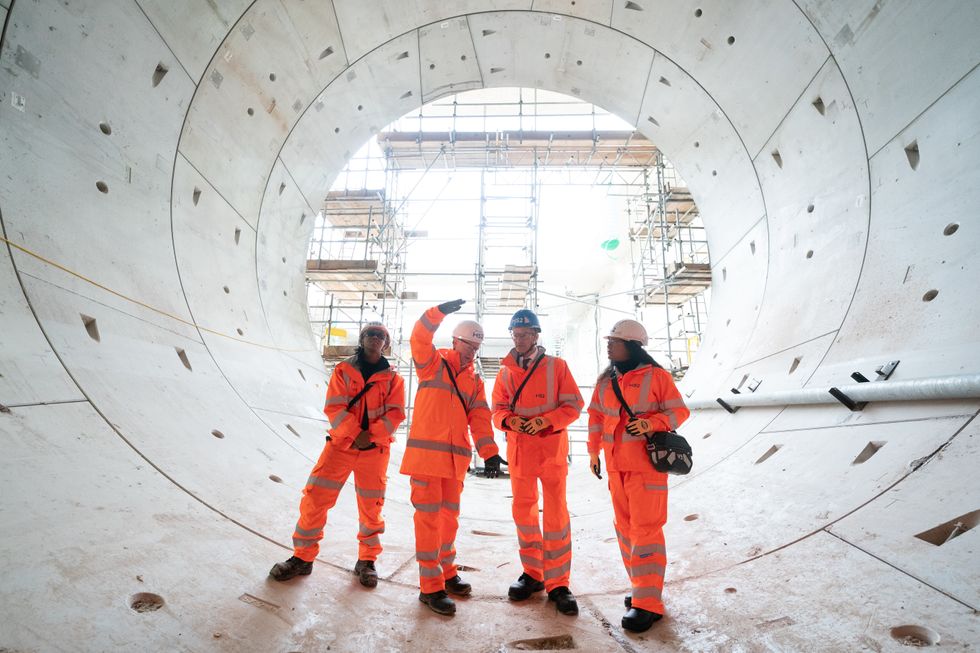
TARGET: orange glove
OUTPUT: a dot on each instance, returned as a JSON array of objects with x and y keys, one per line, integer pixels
[
  {"x": 515, "y": 423},
  {"x": 639, "y": 426},
  {"x": 535, "y": 425}
]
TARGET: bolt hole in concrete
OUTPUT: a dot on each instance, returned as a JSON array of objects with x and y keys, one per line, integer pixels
[
  {"x": 102, "y": 186},
  {"x": 554, "y": 643},
  {"x": 283, "y": 259},
  {"x": 547, "y": 55},
  {"x": 250, "y": 111},
  {"x": 714, "y": 173},
  {"x": 930, "y": 295},
  {"x": 336, "y": 130},
  {"x": 182, "y": 355},
  {"x": 809, "y": 253},
  {"x": 302, "y": 376},
  {"x": 706, "y": 435},
  {"x": 730, "y": 590},
  {"x": 240, "y": 332},
  {"x": 819, "y": 106},
  {"x": 869, "y": 450},
  {"x": 769, "y": 453},
  {"x": 196, "y": 196},
  {"x": 951, "y": 228},
  {"x": 795, "y": 364},
  {"x": 218, "y": 434},
  {"x": 462, "y": 57},
  {"x": 282, "y": 187},
  {"x": 227, "y": 290},
  {"x": 912, "y": 154},
  {"x": 809, "y": 208},
  {"x": 105, "y": 128},
  {"x": 697, "y": 143},
  {"x": 691, "y": 517},
  {"x": 146, "y": 602},
  {"x": 326, "y": 53},
  {"x": 731, "y": 40},
  {"x": 91, "y": 327},
  {"x": 940, "y": 535},
  {"x": 274, "y": 478},
  {"x": 919, "y": 636},
  {"x": 778, "y": 158},
  {"x": 752, "y": 246},
  {"x": 238, "y": 235},
  {"x": 289, "y": 427},
  {"x": 578, "y": 62},
  {"x": 432, "y": 66},
  {"x": 272, "y": 77},
  {"x": 159, "y": 73},
  {"x": 360, "y": 107}
]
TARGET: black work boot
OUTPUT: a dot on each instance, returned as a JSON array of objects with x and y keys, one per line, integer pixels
[
  {"x": 564, "y": 599},
  {"x": 458, "y": 586},
  {"x": 524, "y": 588},
  {"x": 438, "y": 602},
  {"x": 638, "y": 620},
  {"x": 290, "y": 568},
  {"x": 366, "y": 573}
]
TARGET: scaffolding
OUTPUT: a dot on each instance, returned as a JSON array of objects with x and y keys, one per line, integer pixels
[{"x": 671, "y": 267}]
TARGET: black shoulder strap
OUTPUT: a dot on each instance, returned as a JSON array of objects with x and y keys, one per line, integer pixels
[
  {"x": 619, "y": 394},
  {"x": 517, "y": 393},
  {"x": 452, "y": 377},
  {"x": 367, "y": 386}
]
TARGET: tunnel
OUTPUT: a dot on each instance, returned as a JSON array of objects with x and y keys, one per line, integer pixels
[{"x": 161, "y": 394}]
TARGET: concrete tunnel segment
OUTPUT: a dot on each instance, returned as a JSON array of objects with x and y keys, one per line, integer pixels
[{"x": 160, "y": 168}]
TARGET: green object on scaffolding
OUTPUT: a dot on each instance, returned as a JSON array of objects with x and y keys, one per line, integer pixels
[{"x": 610, "y": 244}]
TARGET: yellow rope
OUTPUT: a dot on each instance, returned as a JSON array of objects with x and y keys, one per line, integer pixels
[{"x": 176, "y": 318}]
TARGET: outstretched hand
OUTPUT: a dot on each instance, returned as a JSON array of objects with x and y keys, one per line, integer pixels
[{"x": 451, "y": 307}]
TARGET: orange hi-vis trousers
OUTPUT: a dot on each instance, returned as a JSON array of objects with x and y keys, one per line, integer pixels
[
  {"x": 546, "y": 556},
  {"x": 321, "y": 492},
  {"x": 436, "y": 502},
  {"x": 640, "y": 507}
]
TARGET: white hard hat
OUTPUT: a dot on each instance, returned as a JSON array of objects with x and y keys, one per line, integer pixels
[
  {"x": 629, "y": 330},
  {"x": 469, "y": 331},
  {"x": 375, "y": 325}
]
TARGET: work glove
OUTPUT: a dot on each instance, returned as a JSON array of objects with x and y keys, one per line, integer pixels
[
  {"x": 515, "y": 423},
  {"x": 535, "y": 425},
  {"x": 451, "y": 307},
  {"x": 639, "y": 426},
  {"x": 596, "y": 465},
  {"x": 492, "y": 466}
]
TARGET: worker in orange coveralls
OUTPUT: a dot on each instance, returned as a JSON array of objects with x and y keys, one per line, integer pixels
[
  {"x": 365, "y": 404},
  {"x": 534, "y": 399},
  {"x": 450, "y": 405},
  {"x": 639, "y": 492}
]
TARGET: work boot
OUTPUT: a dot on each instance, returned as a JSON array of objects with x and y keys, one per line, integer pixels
[
  {"x": 564, "y": 599},
  {"x": 366, "y": 573},
  {"x": 458, "y": 586},
  {"x": 290, "y": 568},
  {"x": 438, "y": 602},
  {"x": 638, "y": 620},
  {"x": 524, "y": 588}
]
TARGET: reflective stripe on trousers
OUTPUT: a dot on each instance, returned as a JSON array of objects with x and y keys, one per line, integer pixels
[
  {"x": 436, "y": 502},
  {"x": 322, "y": 489},
  {"x": 545, "y": 545},
  {"x": 640, "y": 506}
]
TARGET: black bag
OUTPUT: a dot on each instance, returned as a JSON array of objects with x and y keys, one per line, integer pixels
[{"x": 669, "y": 452}]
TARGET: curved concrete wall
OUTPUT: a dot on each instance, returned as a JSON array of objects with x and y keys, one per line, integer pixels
[{"x": 160, "y": 165}]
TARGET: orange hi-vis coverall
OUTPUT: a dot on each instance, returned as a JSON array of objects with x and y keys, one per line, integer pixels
[
  {"x": 552, "y": 393},
  {"x": 438, "y": 450},
  {"x": 382, "y": 408},
  {"x": 639, "y": 492}
]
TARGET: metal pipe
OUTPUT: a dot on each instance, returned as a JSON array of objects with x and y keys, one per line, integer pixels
[{"x": 965, "y": 386}]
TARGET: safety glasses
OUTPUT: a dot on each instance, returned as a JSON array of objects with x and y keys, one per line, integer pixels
[{"x": 375, "y": 333}]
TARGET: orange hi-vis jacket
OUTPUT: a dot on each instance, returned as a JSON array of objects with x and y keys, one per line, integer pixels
[
  {"x": 651, "y": 394},
  {"x": 552, "y": 393},
  {"x": 384, "y": 402},
  {"x": 439, "y": 441}
]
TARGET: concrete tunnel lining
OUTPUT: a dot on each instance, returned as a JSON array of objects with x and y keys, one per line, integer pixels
[{"x": 191, "y": 207}]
